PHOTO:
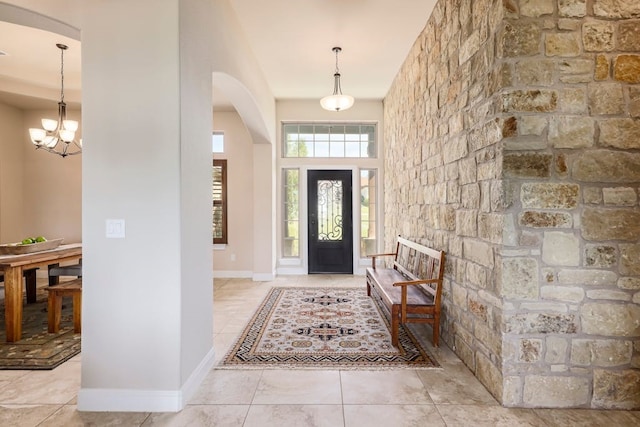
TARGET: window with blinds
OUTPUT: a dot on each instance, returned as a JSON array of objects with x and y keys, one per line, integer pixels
[{"x": 219, "y": 178}]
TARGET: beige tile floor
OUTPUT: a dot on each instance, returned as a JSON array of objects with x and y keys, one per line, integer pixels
[{"x": 451, "y": 396}]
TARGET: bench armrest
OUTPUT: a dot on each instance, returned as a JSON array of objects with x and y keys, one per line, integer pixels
[
  {"x": 374, "y": 256},
  {"x": 416, "y": 282}
]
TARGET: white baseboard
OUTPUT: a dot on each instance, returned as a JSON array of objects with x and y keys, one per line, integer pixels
[
  {"x": 264, "y": 277},
  {"x": 122, "y": 400},
  {"x": 233, "y": 274}
]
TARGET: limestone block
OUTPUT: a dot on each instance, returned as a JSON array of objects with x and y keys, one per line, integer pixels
[
  {"x": 527, "y": 165},
  {"x": 530, "y": 350},
  {"x": 478, "y": 309},
  {"x": 510, "y": 234},
  {"x": 597, "y": 36},
  {"x": 629, "y": 283},
  {"x": 556, "y": 350},
  {"x": 616, "y": 389},
  {"x": 628, "y": 36},
  {"x": 592, "y": 195},
  {"x": 602, "y": 353},
  {"x": 544, "y": 306},
  {"x": 545, "y": 219},
  {"x": 576, "y": 66},
  {"x": 605, "y": 98},
  {"x": 468, "y": 171},
  {"x": 630, "y": 259},
  {"x": 617, "y": 8},
  {"x": 490, "y": 227},
  {"x": 620, "y": 196},
  {"x": 589, "y": 277},
  {"x": 562, "y": 293},
  {"x": 466, "y": 223},
  {"x": 562, "y": 44},
  {"x": 540, "y": 323},
  {"x": 519, "y": 39},
  {"x": 561, "y": 165},
  {"x": 626, "y": 68},
  {"x": 606, "y": 166},
  {"x": 536, "y": 71},
  {"x": 569, "y": 24},
  {"x": 555, "y": 392},
  {"x": 610, "y": 224},
  {"x": 512, "y": 394},
  {"x": 509, "y": 127},
  {"x": 634, "y": 101},
  {"x": 600, "y": 255},
  {"x": 533, "y": 125},
  {"x": 520, "y": 278},
  {"x": 610, "y": 319},
  {"x": 489, "y": 375},
  {"x": 459, "y": 295},
  {"x": 572, "y": 8},
  {"x": 571, "y": 132},
  {"x": 489, "y": 338},
  {"x": 471, "y": 196},
  {"x": 530, "y": 100},
  {"x": 608, "y": 294},
  {"x": 636, "y": 298},
  {"x": 602, "y": 68},
  {"x": 478, "y": 252},
  {"x": 559, "y": 248},
  {"x": 536, "y": 8},
  {"x": 573, "y": 101}
]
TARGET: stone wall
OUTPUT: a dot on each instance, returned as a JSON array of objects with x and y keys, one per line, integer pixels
[{"x": 515, "y": 128}]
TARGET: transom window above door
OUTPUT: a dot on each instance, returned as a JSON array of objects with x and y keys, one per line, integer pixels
[{"x": 329, "y": 140}]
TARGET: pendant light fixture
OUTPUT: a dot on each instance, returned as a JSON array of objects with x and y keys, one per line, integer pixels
[
  {"x": 58, "y": 136},
  {"x": 337, "y": 101}
]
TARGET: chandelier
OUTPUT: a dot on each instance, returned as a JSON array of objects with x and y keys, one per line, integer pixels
[
  {"x": 58, "y": 136},
  {"x": 337, "y": 101}
]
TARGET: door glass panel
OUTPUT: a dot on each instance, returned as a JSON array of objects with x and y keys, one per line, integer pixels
[{"x": 330, "y": 210}]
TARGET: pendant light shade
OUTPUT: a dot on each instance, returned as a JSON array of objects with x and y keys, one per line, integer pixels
[{"x": 337, "y": 101}]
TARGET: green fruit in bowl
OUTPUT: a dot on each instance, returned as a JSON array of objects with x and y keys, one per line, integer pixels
[
  {"x": 40, "y": 239},
  {"x": 27, "y": 241}
]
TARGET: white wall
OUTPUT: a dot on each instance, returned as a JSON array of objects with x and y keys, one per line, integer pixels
[
  {"x": 147, "y": 302},
  {"x": 238, "y": 150},
  {"x": 11, "y": 182}
]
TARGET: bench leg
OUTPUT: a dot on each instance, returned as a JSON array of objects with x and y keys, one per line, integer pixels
[
  {"x": 77, "y": 312},
  {"x": 395, "y": 322},
  {"x": 54, "y": 312}
]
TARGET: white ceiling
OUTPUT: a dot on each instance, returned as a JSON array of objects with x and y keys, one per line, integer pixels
[{"x": 291, "y": 39}]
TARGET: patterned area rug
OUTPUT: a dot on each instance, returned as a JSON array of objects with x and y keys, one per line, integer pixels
[
  {"x": 323, "y": 327},
  {"x": 39, "y": 349}
]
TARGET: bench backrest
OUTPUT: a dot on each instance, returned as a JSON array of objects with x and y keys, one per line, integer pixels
[{"x": 419, "y": 262}]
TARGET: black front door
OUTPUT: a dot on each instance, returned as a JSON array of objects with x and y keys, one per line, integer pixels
[{"x": 330, "y": 221}]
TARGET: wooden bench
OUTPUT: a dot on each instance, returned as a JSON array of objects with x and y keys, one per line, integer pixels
[
  {"x": 71, "y": 288},
  {"x": 410, "y": 290}
]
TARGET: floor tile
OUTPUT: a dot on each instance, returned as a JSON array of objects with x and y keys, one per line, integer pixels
[
  {"x": 298, "y": 387},
  {"x": 383, "y": 387},
  {"x": 56, "y": 386},
  {"x": 25, "y": 415},
  {"x": 69, "y": 416},
  {"x": 294, "y": 415},
  {"x": 455, "y": 385},
  {"x": 234, "y": 387},
  {"x": 392, "y": 415},
  {"x": 588, "y": 417},
  {"x": 201, "y": 415},
  {"x": 488, "y": 416}
]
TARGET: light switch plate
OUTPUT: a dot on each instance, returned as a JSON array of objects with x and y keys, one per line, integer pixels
[{"x": 115, "y": 228}]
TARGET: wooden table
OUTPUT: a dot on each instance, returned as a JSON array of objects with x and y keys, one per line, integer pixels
[{"x": 13, "y": 266}]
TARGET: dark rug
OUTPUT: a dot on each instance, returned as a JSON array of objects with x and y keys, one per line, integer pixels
[
  {"x": 39, "y": 349},
  {"x": 339, "y": 328}
]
